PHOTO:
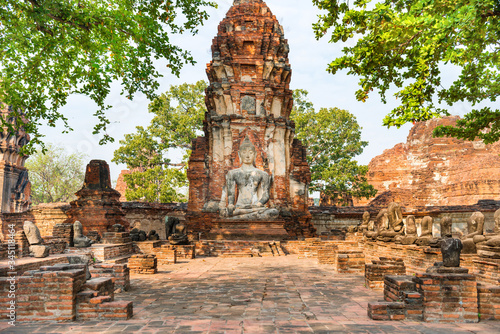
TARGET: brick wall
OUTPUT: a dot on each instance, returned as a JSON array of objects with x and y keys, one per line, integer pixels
[{"x": 49, "y": 295}]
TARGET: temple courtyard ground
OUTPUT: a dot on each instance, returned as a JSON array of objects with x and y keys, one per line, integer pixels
[{"x": 249, "y": 295}]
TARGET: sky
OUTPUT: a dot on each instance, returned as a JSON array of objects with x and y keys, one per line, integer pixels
[{"x": 308, "y": 57}]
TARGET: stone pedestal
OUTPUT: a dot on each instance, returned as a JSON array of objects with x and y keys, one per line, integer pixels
[
  {"x": 449, "y": 295},
  {"x": 244, "y": 230}
]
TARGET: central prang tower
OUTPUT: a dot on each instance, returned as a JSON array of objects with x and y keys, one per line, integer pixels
[{"x": 249, "y": 101}]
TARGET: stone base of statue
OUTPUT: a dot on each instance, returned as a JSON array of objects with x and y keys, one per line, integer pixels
[{"x": 257, "y": 230}]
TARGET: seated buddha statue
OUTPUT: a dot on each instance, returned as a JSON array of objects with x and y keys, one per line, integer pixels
[
  {"x": 491, "y": 247},
  {"x": 475, "y": 230},
  {"x": 247, "y": 189},
  {"x": 426, "y": 232}
]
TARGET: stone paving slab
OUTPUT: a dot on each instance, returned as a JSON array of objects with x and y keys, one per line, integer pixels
[{"x": 278, "y": 295}]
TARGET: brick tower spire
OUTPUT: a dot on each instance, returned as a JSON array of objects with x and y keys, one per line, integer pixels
[{"x": 249, "y": 96}]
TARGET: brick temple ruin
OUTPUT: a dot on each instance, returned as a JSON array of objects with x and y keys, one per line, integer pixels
[
  {"x": 249, "y": 99},
  {"x": 248, "y": 198}
]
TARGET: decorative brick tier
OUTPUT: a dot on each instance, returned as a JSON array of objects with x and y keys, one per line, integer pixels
[
  {"x": 118, "y": 273},
  {"x": 242, "y": 230},
  {"x": 105, "y": 252},
  {"x": 143, "y": 264},
  {"x": 375, "y": 273}
]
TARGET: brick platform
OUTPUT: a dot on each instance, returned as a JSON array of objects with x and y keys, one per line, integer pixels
[
  {"x": 250, "y": 295},
  {"x": 104, "y": 252},
  {"x": 239, "y": 248},
  {"x": 143, "y": 264}
]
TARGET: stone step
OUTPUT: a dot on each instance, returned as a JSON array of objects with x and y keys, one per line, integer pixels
[
  {"x": 103, "y": 285},
  {"x": 120, "y": 259}
]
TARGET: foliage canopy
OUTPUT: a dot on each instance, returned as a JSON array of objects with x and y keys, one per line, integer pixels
[
  {"x": 54, "y": 48},
  {"x": 178, "y": 119},
  {"x": 404, "y": 44},
  {"x": 333, "y": 139},
  {"x": 55, "y": 175}
]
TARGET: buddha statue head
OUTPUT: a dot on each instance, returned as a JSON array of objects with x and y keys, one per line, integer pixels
[{"x": 247, "y": 152}]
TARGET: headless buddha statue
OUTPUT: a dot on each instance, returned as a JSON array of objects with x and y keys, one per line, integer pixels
[{"x": 247, "y": 189}]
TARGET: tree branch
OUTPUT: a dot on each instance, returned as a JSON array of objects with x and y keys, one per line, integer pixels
[
  {"x": 35, "y": 4},
  {"x": 491, "y": 13}
]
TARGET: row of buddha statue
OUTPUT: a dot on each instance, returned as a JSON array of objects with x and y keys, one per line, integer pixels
[{"x": 389, "y": 226}]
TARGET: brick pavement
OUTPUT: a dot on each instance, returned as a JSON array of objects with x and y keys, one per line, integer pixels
[{"x": 249, "y": 295}]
